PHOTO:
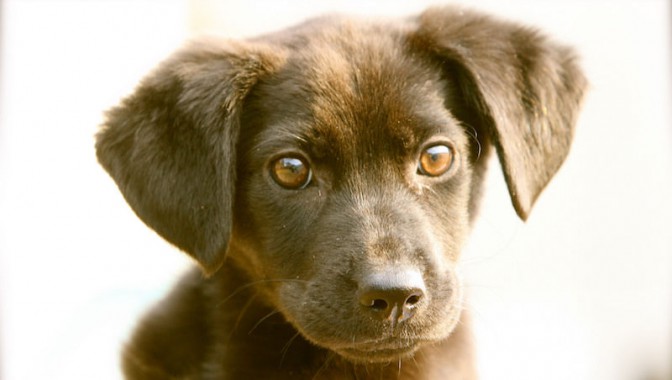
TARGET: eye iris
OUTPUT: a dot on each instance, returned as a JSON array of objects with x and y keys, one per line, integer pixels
[
  {"x": 291, "y": 172},
  {"x": 436, "y": 160}
]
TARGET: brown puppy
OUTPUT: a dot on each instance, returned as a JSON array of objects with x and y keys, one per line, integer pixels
[{"x": 325, "y": 179}]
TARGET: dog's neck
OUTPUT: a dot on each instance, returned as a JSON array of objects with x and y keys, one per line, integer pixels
[{"x": 254, "y": 340}]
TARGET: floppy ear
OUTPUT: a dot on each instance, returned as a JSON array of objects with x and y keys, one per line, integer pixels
[
  {"x": 525, "y": 89},
  {"x": 170, "y": 146}
]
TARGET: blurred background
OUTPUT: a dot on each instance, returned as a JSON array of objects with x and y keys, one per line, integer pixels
[{"x": 583, "y": 290}]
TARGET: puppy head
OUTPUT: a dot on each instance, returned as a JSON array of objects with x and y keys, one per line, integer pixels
[{"x": 341, "y": 162}]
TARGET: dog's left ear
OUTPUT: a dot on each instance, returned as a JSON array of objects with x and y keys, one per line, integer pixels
[
  {"x": 171, "y": 145},
  {"x": 525, "y": 89}
]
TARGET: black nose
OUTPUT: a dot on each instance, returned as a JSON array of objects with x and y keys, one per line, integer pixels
[{"x": 392, "y": 295}]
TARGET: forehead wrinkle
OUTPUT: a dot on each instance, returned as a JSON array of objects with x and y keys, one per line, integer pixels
[
  {"x": 356, "y": 100},
  {"x": 280, "y": 137},
  {"x": 332, "y": 89}
]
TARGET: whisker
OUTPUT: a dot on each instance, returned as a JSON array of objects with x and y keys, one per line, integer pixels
[
  {"x": 242, "y": 312},
  {"x": 272, "y": 313},
  {"x": 474, "y": 136},
  {"x": 253, "y": 283},
  {"x": 325, "y": 365},
  {"x": 415, "y": 360},
  {"x": 285, "y": 349}
]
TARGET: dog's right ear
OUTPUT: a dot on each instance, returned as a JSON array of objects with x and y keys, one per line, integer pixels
[{"x": 170, "y": 146}]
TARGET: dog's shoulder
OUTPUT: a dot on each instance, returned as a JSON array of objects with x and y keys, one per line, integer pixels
[
  {"x": 213, "y": 328},
  {"x": 173, "y": 336}
]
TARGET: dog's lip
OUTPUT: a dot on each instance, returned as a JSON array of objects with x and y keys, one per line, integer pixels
[
  {"x": 377, "y": 355},
  {"x": 386, "y": 350}
]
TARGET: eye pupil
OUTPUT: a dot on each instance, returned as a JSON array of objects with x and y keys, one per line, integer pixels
[
  {"x": 435, "y": 160},
  {"x": 291, "y": 172}
]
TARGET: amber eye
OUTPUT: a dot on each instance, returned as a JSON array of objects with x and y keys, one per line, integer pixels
[
  {"x": 435, "y": 160},
  {"x": 291, "y": 172}
]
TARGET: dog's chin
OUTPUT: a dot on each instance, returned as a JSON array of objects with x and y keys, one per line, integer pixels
[
  {"x": 380, "y": 353},
  {"x": 377, "y": 356}
]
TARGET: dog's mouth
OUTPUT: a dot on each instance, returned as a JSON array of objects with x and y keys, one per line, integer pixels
[{"x": 382, "y": 351}]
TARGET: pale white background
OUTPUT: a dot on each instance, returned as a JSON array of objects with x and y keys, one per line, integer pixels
[{"x": 581, "y": 291}]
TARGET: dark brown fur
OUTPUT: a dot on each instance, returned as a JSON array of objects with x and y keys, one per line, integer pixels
[{"x": 190, "y": 151}]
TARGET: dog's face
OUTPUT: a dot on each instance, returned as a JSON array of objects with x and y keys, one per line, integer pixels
[
  {"x": 338, "y": 164},
  {"x": 351, "y": 183}
]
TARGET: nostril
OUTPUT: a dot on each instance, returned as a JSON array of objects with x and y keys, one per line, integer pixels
[
  {"x": 413, "y": 299},
  {"x": 393, "y": 295},
  {"x": 375, "y": 300},
  {"x": 379, "y": 304},
  {"x": 386, "y": 301}
]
